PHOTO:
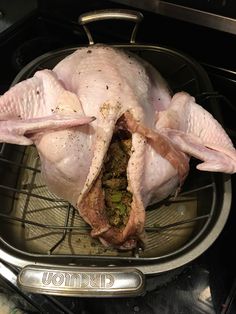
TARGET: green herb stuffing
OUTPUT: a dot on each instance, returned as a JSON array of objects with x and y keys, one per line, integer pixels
[{"x": 114, "y": 180}]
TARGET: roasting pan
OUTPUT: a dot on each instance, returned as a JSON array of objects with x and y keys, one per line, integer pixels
[{"x": 45, "y": 238}]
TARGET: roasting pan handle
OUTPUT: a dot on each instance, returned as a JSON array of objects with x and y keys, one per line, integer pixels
[
  {"x": 82, "y": 281},
  {"x": 100, "y": 15}
]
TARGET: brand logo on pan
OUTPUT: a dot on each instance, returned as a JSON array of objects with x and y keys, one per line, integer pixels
[{"x": 75, "y": 280}]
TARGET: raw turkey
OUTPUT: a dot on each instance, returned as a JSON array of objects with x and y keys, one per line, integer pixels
[{"x": 111, "y": 137}]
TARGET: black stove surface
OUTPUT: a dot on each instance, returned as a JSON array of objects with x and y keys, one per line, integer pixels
[
  {"x": 189, "y": 292},
  {"x": 207, "y": 285}
]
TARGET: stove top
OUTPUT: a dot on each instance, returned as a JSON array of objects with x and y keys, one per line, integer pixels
[{"x": 207, "y": 285}]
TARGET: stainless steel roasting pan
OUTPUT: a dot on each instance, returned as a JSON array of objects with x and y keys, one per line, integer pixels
[{"x": 47, "y": 240}]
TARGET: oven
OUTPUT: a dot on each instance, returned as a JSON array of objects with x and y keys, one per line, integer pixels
[{"x": 188, "y": 265}]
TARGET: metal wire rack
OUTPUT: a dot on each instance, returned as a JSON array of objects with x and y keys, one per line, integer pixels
[
  {"x": 35, "y": 221},
  {"x": 48, "y": 225}
]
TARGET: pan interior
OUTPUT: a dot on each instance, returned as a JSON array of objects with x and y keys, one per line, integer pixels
[
  {"x": 44, "y": 220},
  {"x": 35, "y": 221}
]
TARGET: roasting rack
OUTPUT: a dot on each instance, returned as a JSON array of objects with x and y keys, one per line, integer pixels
[
  {"x": 45, "y": 236},
  {"x": 171, "y": 226},
  {"x": 166, "y": 221}
]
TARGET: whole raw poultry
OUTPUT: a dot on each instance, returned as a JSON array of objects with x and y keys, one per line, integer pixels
[{"x": 111, "y": 137}]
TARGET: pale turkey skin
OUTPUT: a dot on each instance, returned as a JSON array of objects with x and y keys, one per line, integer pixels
[
  {"x": 107, "y": 96},
  {"x": 142, "y": 91},
  {"x": 70, "y": 114}
]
